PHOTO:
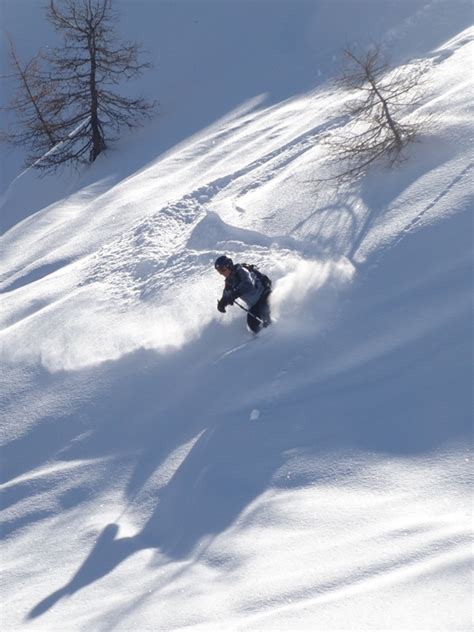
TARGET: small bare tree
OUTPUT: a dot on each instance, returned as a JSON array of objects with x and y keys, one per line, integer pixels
[
  {"x": 73, "y": 109},
  {"x": 375, "y": 127},
  {"x": 34, "y": 105}
]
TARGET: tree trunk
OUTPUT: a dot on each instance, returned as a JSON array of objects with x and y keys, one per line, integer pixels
[
  {"x": 98, "y": 143},
  {"x": 386, "y": 111}
]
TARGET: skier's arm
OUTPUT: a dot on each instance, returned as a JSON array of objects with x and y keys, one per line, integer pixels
[{"x": 225, "y": 300}]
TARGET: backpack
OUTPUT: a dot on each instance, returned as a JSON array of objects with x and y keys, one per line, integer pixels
[{"x": 265, "y": 281}]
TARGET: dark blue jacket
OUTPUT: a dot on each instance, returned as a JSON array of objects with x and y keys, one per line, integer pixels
[{"x": 242, "y": 283}]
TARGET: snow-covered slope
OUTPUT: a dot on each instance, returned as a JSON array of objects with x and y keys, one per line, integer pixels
[{"x": 162, "y": 470}]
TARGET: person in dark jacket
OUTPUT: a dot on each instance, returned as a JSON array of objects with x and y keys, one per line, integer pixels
[{"x": 244, "y": 284}]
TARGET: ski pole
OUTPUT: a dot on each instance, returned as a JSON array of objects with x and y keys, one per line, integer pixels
[{"x": 249, "y": 312}]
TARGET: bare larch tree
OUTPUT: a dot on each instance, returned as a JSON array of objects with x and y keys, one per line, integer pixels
[
  {"x": 84, "y": 70},
  {"x": 81, "y": 107},
  {"x": 34, "y": 106},
  {"x": 375, "y": 116}
]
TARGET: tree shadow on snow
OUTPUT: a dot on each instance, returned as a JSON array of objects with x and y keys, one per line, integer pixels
[{"x": 230, "y": 465}]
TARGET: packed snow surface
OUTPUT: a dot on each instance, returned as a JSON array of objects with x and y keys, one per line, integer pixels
[{"x": 161, "y": 468}]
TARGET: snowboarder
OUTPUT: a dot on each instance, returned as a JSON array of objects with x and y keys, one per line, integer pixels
[{"x": 246, "y": 282}]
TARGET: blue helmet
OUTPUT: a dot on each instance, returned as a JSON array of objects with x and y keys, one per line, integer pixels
[{"x": 223, "y": 262}]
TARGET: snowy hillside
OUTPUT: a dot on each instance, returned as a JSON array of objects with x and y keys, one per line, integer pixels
[{"x": 161, "y": 469}]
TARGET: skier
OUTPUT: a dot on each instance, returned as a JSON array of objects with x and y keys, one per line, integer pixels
[{"x": 245, "y": 282}]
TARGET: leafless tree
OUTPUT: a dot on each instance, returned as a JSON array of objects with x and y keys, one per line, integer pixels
[
  {"x": 34, "y": 106},
  {"x": 82, "y": 104},
  {"x": 376, "y": 127}
]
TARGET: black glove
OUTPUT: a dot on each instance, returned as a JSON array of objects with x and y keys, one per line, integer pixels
[{"x": 226, "y": 300}]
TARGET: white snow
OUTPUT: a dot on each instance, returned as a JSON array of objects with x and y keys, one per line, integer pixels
[{"x": 163, "y": 470}]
